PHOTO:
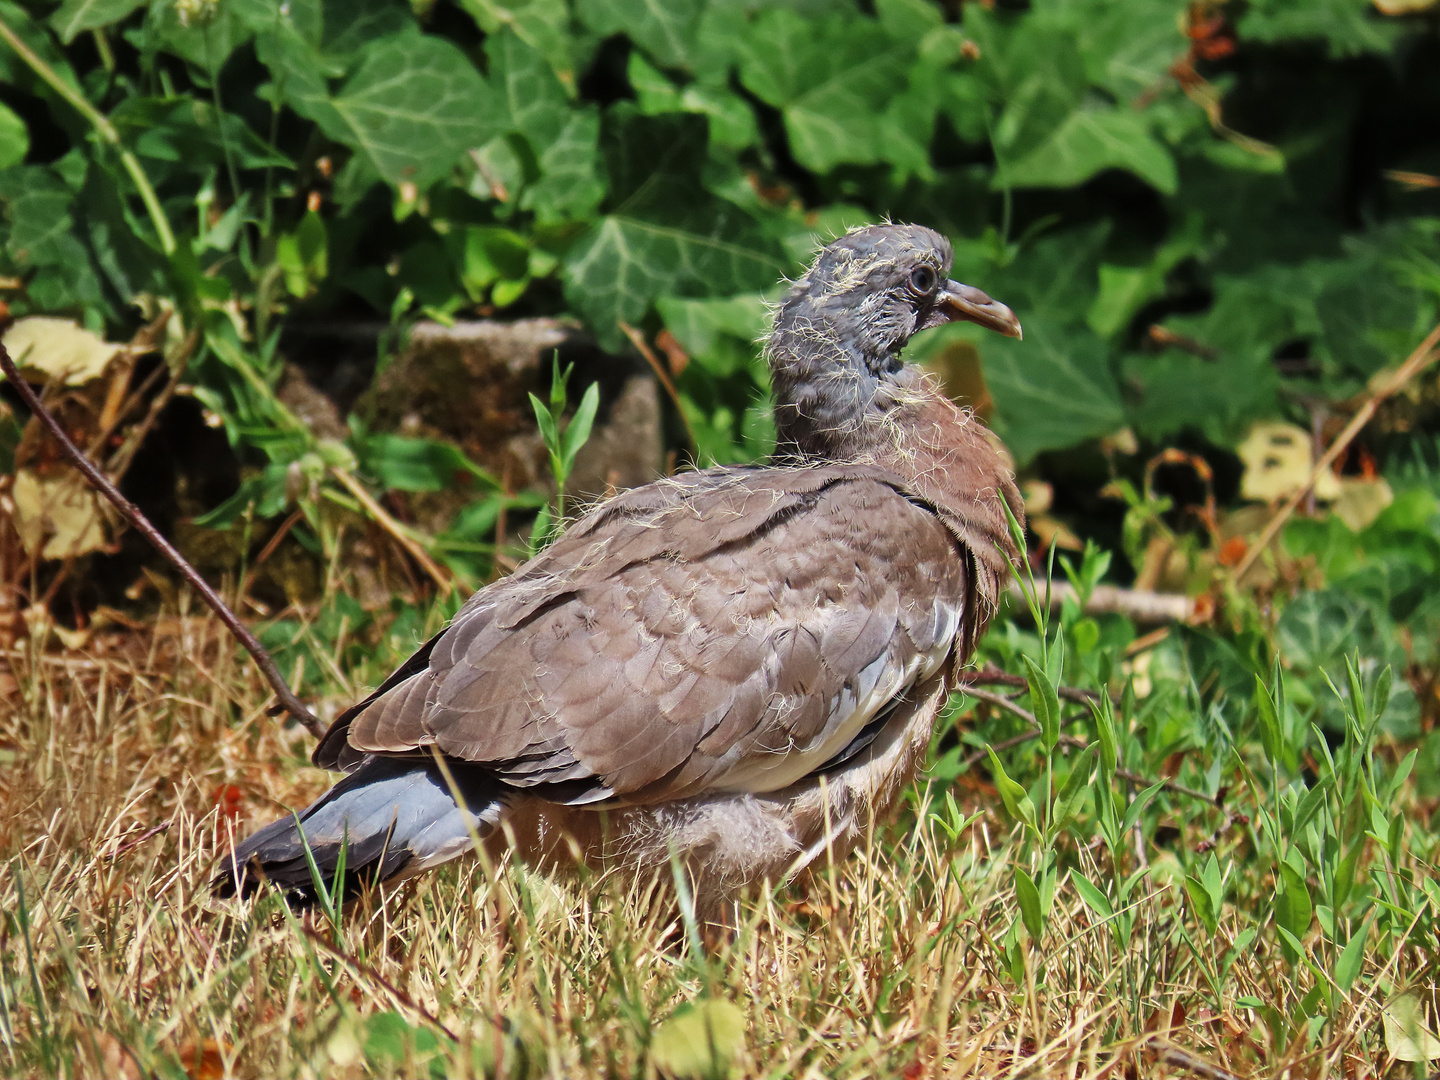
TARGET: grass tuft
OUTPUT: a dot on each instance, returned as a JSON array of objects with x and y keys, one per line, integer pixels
[{"x": 132, "y": 767}]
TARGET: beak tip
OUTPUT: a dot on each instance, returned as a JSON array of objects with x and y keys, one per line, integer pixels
[{"x": 972, "y": 305}]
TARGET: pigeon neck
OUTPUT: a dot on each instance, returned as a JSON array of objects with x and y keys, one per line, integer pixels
[
  {"x": 833, "y": 402},
  {"x": 850, "y": 411}
]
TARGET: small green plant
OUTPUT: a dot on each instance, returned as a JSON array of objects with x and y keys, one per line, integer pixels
[{"x": 563, "y": 442}]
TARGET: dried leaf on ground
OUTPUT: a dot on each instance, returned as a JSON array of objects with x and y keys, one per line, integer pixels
[
  {"x": 700, "y": 1040},
  {"x": 204, "y": 1060},
  {"x": 59, "y": 349},
  {"x": 57, "y": 515},
  {"x": 1360, "y": 501},
  {"x": 1406, "y": 1035},
  {"x": 1278, "y": 458}
]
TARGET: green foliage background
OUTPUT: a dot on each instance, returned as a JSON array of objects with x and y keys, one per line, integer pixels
[
  {"x": 1191, "y": 207},
  {"x": 666, "y": 163}
]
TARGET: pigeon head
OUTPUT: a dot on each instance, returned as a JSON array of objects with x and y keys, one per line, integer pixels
[{"x": 835, "y": 347}]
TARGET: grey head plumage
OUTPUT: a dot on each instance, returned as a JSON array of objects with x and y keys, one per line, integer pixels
[{"x": 835, "y": 348}]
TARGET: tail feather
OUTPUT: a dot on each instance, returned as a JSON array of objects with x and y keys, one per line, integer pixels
[{"x": 394, "y": 817}]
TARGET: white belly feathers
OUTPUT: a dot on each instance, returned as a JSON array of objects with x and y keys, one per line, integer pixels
[{"x": 875, "y": 686}]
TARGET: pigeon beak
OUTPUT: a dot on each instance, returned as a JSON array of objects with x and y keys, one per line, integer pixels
[{"x": 958, "y": 301}]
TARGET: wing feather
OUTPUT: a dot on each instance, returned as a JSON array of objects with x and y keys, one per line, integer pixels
[{"x": 727, "y": 630}]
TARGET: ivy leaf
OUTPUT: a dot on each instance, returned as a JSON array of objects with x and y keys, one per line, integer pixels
[
  {"x": 184, "y": 132},
  {"x": 1033, "y": 70},
  {"x": 15, "y": 71},
  {"x": 732, "y": 122},
  {"x": 1052, "y": 390},
  {"x": 533, "y": 103},
  {"x": 664, "y": 233},
  {"x": 38, "y": 203},
  {"x": 908, "y": 124},
  {"x": 1053, "y": 275},
  {"x": 831, "y": 78},
  {"x": 1367, "y": 317},
  {"x": 1219, "y": 396},
  {"x": 1014, "y": 51},
  {"x": 1348, "y": 27},
  {"x": 74, "y": 17},
  {"x": 1089, "y": 141},
  {"x": 129, "y": 262},
  {"x": 541, "y": 24},
  {"x": 412, "y": 106},
  {"x": 699, "y": 324},
  {"x": 1127, "y": 48},
  {"x": 1319, "y": 626},
  {"x": 205, "y": 39},
  {"x": 299, "y": 74},
  {"x": 14, "y": 138},
  {"x": 1124, "y": 290},
  {"x": 529, "y": 95},
  {"x": 910, "y": 19},
  {"x": 663, "y": 28},
  {"x": 569, "y": 187},
  {"x": 348, "y": 26}
]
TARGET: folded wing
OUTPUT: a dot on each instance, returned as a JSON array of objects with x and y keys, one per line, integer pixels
[{"x": 729, "y": 630}]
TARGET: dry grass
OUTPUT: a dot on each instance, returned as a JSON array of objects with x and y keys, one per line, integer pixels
[{"x": 129, "y": 766}]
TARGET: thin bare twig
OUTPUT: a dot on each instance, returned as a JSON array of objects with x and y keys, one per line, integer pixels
[
  {"x": 120, "y": 398},
  {"x": 401, "y": 534},
  {"x": 370, "y": 973},
  {"x": 1146, "y": 641},
  {"x": 120, "y": 461},
  {"x": 1424, "y": 355},
  {"x": 288, "y": 701},
  {"x": 638, "y": 340},
  {"x": 994, "y": 677},
  {"x": 1197, "y": 1066},
  {"x": 131, "y": 845},
  {"x": 265, "y": 553}
]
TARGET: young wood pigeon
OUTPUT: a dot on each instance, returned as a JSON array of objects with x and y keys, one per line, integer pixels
[{"x": 738, "y": 667}]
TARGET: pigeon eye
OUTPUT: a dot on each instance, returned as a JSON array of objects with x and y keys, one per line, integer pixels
[{"x": 922, "y": 279}]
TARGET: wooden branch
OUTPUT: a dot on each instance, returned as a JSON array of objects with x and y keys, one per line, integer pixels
[
  {"x": 1137, "y": 605},
  {"x": 288, "y": 701},
  {"x": 1424, "y": 355}
]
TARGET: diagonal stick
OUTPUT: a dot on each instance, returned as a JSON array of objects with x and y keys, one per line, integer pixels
[
  {"x": 1424, "y": 355},
  {"x": 288, "y": 701}
]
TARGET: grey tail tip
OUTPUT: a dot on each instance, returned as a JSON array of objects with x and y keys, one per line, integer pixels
[{"x": 391, "y": 817}]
